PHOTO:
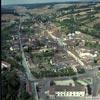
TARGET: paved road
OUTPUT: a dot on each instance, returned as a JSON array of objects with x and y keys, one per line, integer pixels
[
  {"x": 88, "y": 73},
  {"x": 77, "y": 98},
  {"x": 26, "y": 67}
]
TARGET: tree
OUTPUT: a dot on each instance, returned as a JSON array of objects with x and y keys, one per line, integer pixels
[
  {"x": 71, "y": 71},
  {"x": 97, "y": 26},
  {"x": 19, "y": 58},
  {"x": 74, "y": 78},
  {"x": 25, "y": 95},
  {"x": 81, "y": 70},
  {"x": 89, "y": 89},
  {"x": 52, "y": 83},
  {"x": 95, "y": 61},
  {"x": 10, "y": 85}
]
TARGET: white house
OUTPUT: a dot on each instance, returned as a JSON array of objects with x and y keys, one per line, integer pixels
[
  {"x": 77, "y": 32},
  {"x": 5, "y": 65}
]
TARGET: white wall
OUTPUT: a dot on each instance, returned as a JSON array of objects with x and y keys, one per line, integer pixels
[{"x": 70, "y": 93}]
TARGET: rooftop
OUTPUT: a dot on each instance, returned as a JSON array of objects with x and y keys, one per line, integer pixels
[
  {"x": 64, "y": 82},
  {"x": 77, "y": 87},
  {"x": 5, "y": 64}
]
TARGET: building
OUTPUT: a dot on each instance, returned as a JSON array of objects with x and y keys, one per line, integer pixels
[
  {"x": 5, "y": 65},
  {"x": 66, "y": 89},
  {"x": 29, "y": 87},
  {"x": 59, "y": 90}
]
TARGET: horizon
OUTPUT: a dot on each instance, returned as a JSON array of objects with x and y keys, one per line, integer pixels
[{"x": 15, "y": 2}]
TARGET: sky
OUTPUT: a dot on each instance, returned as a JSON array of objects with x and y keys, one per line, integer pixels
[{"x": 7, "y": 2}]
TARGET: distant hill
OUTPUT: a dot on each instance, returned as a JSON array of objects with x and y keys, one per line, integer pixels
[
  {"x": 11, "y": 8},
  {"x": 7, "y": 11}
]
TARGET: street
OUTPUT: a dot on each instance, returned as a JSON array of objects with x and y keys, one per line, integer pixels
[{"x": 26, "y": 67}]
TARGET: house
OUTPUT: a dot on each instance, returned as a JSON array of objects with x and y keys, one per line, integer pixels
[
  {"x": 84, "y": 53},
  {"x": 29, "y": 87},
  {"x": 77, "y": 32},
  {"x": 61, "y": 91},
  {"x": 15, "y": 47},
  {"x": 5, "y": 65},
  {"x": 66, "y": 89}
]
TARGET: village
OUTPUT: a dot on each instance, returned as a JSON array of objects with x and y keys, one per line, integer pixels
[{"x": 64, "y": 60}]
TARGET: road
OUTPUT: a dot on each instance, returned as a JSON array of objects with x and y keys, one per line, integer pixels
[
  {"x": 26, "y": 67},
  {"x": 88, "y": 73},
  {"x": 77, "y": 98}
]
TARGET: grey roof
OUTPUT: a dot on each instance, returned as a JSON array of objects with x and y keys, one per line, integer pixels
[{"x": 77, "y": 87}]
